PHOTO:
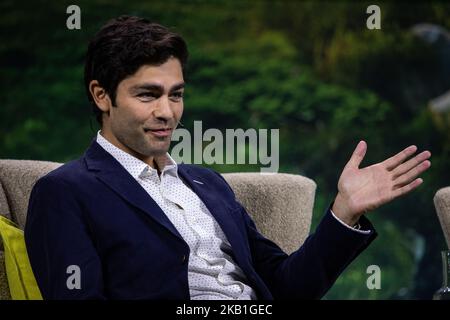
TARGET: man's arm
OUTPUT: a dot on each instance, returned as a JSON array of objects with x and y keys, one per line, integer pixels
[
  {"x": 309, "y": 272},
  {"x": 61, "y": 252}
]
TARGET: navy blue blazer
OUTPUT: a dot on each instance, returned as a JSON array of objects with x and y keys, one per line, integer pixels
[{"x": 91, "y": 213}]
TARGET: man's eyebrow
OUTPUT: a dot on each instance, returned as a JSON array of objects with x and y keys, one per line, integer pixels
[
  {"x": 178, "y": 86},
  {"x": 155, "y": 87}
]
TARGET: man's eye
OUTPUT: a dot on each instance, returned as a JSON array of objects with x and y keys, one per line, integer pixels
[
  {"x": 147, "y": 95},
  {"x": 177, "y": 95}
]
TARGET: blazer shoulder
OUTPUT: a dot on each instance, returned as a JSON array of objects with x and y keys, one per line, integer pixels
[{"x": 72, "y": 172}]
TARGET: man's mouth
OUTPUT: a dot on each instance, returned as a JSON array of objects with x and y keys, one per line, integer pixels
[{"x": 159, "y": 132}]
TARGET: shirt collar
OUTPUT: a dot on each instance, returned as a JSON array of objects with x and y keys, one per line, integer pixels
[{"x": 136, "y": 167}]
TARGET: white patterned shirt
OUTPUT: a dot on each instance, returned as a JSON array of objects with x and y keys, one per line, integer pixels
[{"x": 212, "y": 273}]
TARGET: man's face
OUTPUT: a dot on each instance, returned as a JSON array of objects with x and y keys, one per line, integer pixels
[{"x": 149, "y": 105}]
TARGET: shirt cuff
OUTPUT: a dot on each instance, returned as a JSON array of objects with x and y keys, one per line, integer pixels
[{"x": 346, "y": 225}]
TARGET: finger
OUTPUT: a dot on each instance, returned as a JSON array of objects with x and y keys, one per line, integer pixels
[
  {"x": 408, "y": 188},
  {"x": 411, "y": 163},
  {"x": 412, "y": 174},
  {"x": 358, "y": 155},
  {"x": 394, "y": 161}
]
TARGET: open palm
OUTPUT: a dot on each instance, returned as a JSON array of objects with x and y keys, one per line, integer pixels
[{"x": 362, "y": 190}]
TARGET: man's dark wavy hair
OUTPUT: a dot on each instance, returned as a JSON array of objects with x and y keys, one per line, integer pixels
[{"x": 122, "y": 46}]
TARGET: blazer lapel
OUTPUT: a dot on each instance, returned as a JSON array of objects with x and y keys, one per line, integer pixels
[
  {"x": 220, "y": 210},
  {"x": 113, "y": 175}
]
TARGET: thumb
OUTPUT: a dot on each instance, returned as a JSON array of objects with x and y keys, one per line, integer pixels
[{"x": 358, "y": 155}]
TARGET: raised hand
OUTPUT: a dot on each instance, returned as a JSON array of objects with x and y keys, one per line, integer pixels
[{"x": 363, "y": 190}]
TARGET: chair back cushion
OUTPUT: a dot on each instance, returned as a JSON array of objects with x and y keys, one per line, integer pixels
[
  {"x": 442, "y": 204},
  {"x": 18, "y": 178},
  {"x": 280, "y": 204}
]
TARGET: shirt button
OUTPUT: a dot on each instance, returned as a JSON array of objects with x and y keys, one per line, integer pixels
[{"x": 183, "y": 258}]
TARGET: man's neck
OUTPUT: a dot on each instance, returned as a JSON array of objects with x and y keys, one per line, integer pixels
[{"x": 151, "y": 161}]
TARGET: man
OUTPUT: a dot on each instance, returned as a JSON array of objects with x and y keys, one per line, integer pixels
[{"x": 133, "y": 224}]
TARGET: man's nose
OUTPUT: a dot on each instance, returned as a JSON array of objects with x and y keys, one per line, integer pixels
[{"x": 163, "y": 110}]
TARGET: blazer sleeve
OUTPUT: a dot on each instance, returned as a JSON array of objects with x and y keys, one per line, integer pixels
[
  {"x": 310, "y": 271},
  {"x": 60, "y": 248}
]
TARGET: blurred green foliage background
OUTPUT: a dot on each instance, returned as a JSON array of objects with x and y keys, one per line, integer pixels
[{"x": 311, "y": 69}]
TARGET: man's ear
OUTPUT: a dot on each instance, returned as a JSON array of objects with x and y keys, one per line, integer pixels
[{"x": 100, "y": 96}]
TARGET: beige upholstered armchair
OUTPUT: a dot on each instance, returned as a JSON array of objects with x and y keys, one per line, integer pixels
[
  {"x": 280, "y": 204},
  {"x": 442, "y": 204}
]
